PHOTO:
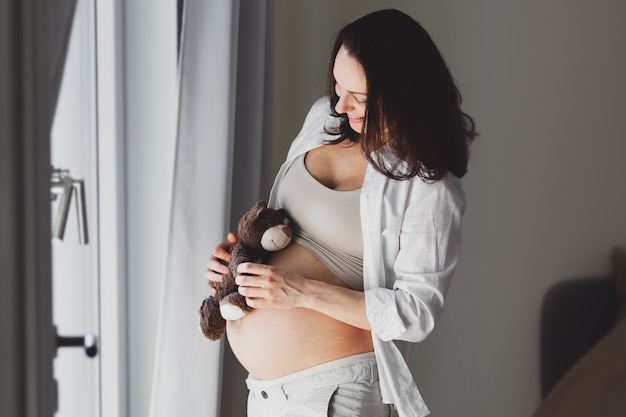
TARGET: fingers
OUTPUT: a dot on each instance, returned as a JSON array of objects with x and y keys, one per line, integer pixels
[
  {"x": 251, "y": 268},
  {"x": 222, "y": 253},
  {"x": 210, "y": 275},
  {"x": 258, "y": 281},
  {"x": 217, "y": 265},
  {"x": 268, "y": 286},
  {"x": 259, "y": 297},
  {"x": 220, "y": 257}
]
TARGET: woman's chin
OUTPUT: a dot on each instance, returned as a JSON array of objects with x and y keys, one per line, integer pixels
[{"x": 357, "y": 127}]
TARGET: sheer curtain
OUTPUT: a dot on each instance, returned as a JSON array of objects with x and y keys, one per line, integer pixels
[
  {"x": 187, "y": 366},
  {"x": 187, "y": 371}
]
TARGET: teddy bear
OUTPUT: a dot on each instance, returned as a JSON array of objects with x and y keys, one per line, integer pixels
[{"x": 260, "y": 231}]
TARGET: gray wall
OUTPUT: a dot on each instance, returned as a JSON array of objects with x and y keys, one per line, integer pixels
[{"x": 546, "y": 200}]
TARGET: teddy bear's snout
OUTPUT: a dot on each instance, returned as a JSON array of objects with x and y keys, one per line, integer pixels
[{"x": 276, "y": 238}]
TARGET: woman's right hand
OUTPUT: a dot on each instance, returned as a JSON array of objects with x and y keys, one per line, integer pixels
[{"x": 217, "y": 266}]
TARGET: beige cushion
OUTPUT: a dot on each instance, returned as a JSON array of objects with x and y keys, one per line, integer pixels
[{"x": 596, "y": 384}]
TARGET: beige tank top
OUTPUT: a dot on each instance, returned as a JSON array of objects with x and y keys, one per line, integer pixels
[{"x": 325, "y": 221}]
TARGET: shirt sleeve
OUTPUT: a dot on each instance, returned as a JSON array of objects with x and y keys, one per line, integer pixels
[{"x": 428, "y": 251}]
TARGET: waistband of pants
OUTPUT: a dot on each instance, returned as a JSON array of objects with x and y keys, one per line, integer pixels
[{"x": 359, "y": 367}]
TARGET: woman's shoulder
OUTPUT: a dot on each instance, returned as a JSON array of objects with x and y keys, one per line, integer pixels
[
  {"x": 446, "y": 191},
  {"x": 313, "y": 132},
  {"x": 320, "y": 110},
  {"x": 323, "y": 101}
]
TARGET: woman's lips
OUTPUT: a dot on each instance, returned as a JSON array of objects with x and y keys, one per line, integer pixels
[{"x": 355, "y": 119}]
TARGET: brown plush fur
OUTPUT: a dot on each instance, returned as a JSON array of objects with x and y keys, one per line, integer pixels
[{"x": 251, "y": 228}]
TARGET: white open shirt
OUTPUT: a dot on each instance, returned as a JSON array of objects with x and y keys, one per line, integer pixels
[{"x": 412, "y": 245}]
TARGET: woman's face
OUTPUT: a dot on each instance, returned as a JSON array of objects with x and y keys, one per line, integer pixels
[{"x": 351, "y": 87}]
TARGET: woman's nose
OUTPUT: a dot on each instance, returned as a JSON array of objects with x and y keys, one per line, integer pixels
[{"x": 343, "y": 105}]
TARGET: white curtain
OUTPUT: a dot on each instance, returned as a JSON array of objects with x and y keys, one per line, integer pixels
[{"x": 187, "y": 366}]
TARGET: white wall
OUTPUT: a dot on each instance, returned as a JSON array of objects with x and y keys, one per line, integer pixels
[{"x": 546, "y": 200}]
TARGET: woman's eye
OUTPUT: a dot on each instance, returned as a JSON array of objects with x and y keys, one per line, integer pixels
[{"x": 361, "y": 100}]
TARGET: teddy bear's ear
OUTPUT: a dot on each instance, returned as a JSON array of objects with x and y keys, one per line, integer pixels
[
  {"x": 259, "y": 207},
  {"x": 283, "y": 213}
]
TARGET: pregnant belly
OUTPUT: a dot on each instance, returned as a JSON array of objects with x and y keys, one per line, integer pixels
[{"x": 272, "y": 343}]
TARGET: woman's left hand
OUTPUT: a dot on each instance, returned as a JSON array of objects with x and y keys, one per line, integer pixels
[{"x": 268, "y": 286}]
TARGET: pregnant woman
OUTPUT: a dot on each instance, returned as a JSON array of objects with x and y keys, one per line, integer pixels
[{"x": 372, "y": 186}]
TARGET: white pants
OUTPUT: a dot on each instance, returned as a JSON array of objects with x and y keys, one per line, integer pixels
[{"x": 344, "y": 387}]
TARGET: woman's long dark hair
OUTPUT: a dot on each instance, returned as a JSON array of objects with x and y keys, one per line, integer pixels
[{"x": 413, "y": 116}]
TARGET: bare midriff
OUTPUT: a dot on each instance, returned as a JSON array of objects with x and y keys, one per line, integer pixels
[{"x": 271, "y": 343}]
